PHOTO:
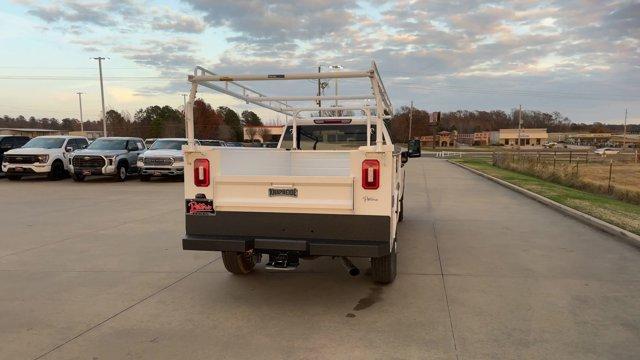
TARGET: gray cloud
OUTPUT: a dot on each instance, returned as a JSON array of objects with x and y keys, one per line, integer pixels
[
  {"x": 279, "y": 21},
  {"x": 179, "y": 23},
  {"x": 71, "y": 11},
  {"x": 552, "y": 46}
]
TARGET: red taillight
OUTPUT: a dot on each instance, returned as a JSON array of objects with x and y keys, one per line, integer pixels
[
  {"x": 201, "y": 172},
  {"x": 370, "y": 174}
]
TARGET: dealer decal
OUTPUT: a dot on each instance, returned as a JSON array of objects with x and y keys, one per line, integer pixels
[{"x": 200, "y": 207}]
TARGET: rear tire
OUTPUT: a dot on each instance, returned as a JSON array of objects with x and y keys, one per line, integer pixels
[
  {"x": 384, "y": 268},
  {"x": 14, "y": 177},
  {"x": 239, "y": 263},
  {"x": 145, "y": 177},
  {"x": 78, "y": 177},
  {"x": 57, "y": 170}
]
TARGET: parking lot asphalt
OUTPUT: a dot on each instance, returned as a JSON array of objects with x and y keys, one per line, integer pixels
[{"x": 95, "y": 270}]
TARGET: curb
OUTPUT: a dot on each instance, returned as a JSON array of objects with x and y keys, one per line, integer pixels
[{"x": 620, "y": 233}]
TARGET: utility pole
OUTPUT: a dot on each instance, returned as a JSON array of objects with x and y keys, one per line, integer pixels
[
  {"x": 624, "y": 136},
  {"x": 81, "y": 120},
  {"x": 519, "y": 125},
  {"x": 319, "y": 88},
  {"x": 104, "y": 115},
  {"x": 184, "y": 112},
  {"x": 336, "y": 68},
  {"x": 410, "y": 119},
  {"x": 184, "y": 97}
]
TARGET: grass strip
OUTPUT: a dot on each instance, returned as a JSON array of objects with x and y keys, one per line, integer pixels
[{"x": 616, "y": 212}]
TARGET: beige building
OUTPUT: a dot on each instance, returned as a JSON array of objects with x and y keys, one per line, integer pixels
[
  {"x": 89, "y": 134},
  {"x": 629, "y": 141},
  {"x": 482, "y": 138},
  {"x": 263, "y": 133},
  {"x": 593, "y": 139},
  {"x": 528, "y": 137},
  {"x": 31, "y": 132}
]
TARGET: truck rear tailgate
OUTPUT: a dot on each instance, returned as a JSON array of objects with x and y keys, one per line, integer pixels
[{"x": 294, "y": 193}]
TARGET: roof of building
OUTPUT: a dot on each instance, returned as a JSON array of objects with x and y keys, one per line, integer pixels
[{"x": 28, "y": 129}]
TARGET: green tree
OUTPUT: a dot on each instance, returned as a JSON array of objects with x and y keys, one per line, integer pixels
[
  {"x": 155, "y": 121},
  {"x": 249, "y": 118},
  {"x": 117, "y": 124},
  {"x": 207, "y": 123},
  {"x": 232, "y": 120}
]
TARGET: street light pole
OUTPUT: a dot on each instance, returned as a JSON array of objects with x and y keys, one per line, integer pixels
[
  {"x": 104, "y": 115},
  {"x": 81, "y": 119},
  {"x": 624, "y": 136}
]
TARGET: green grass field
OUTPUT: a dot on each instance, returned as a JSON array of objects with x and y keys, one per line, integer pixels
[{"x": 616, "y": 212}]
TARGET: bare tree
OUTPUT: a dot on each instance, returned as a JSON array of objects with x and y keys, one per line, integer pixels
[
  {"x": 252, "y": 131},
  {"x": 263, "y": 132}
]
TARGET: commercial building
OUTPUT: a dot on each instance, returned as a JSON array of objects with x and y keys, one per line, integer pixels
[
  {"x": 628, "y": 141},
  {"x": 482, "y": 138},
  {"x": 590, "y": 139},
  {"x": 528, "y": 137},
  {"x": 466, "y": 139},
  {"x": 263, "y": 133},
  {"x": 89, "y": 134},
  {"x": 31, "y": 132}
]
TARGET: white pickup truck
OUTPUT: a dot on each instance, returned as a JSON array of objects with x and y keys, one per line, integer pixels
[{"x": 333, "y": 187}]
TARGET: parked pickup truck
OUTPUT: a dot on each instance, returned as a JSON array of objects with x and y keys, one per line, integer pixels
[
  {"x": 46, "y": 155},
  {"x": 113, "y": 156},
  {"x": 164, "y": 158},
  {"x": 8, "y": 142},
  {"x": 333, "y": 187}
]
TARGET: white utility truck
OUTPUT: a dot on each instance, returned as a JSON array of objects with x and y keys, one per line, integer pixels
[{"x": 333, "y": 187}]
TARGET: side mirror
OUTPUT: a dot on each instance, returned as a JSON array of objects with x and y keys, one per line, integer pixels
[
  {"x": 68, "y": 149},
  {"x": 404, "y": 157}
]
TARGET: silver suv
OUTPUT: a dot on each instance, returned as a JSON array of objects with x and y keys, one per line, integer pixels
[{"x": 107, "y": 156}]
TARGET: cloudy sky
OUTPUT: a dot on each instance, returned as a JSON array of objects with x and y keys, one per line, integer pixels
[{"x": 581, "y": 58}]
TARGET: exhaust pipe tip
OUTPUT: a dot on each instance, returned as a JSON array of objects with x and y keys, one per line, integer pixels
[{"x": 351, "y": 269}]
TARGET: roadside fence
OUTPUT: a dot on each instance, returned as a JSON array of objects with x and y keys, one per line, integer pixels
[{"x": 617, "y": 175}]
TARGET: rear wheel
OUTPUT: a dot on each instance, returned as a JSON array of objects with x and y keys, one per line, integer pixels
[
  {"x": 57, "y": 170},
  {"x": 384, "y": 268},
  {"x": 78, "y": 177},
  {"x": 239, "y": 263},
  {"x": 145, "y": 177},
  {"x": 14, "y": 177}
]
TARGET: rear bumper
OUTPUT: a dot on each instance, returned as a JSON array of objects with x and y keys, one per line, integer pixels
[{"x": 307, "y": 234}]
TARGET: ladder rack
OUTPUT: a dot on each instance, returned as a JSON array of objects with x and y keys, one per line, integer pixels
[{"x": 376, "y": 104}]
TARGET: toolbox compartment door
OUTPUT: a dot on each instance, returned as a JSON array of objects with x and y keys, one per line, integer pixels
[{"x": 286, "y": 193}]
